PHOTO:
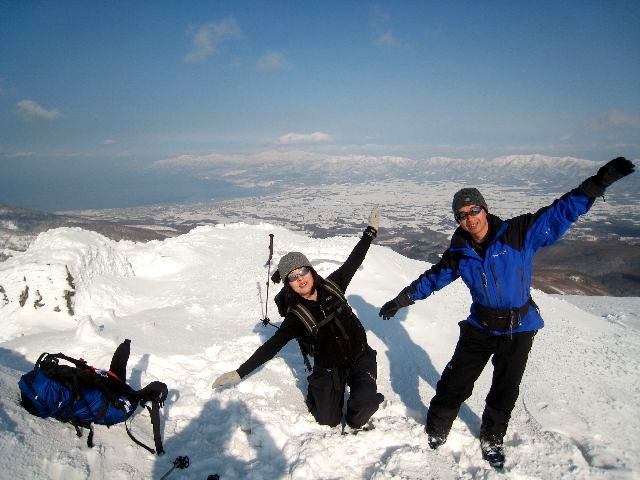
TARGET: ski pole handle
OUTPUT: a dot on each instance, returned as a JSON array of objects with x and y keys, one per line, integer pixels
[{"x": 179, "y": 463}]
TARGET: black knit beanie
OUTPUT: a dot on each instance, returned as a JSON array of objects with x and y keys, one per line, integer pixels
[{"x": 468, "y": 196}]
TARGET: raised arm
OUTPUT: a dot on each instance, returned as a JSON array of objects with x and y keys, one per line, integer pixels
[
  {"x": 548, "y": 224},
  {"x": 343, "y": 275}
]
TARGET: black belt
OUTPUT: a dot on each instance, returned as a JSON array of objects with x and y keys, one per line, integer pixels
[{"x": 502, "y": 319}]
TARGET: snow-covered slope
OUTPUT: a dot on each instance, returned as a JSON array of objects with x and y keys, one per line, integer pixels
[{"x": 191, "y": 306}]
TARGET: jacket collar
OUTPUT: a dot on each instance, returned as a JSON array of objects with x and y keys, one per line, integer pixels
[{"x": 462, "y": 239}]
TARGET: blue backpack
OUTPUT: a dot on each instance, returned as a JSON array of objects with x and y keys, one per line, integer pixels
[{"x": 83, "y": 395}]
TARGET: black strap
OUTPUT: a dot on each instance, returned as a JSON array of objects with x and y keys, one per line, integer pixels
[
  {"x": 154, "y": 411},
  {"x": 309, "y": 321},
  {"x": 502, "y": 319},
  {"x": 333, "y": 287},
  {"x": 155, "y": 422},
  {"x": 304, "y": 315}
]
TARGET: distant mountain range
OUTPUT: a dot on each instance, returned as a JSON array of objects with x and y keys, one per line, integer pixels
[
  {"x": 313, "y": 168},
  {"x": 599, "y": 255}
]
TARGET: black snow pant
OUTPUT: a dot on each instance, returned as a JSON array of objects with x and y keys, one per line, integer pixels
[
  {"x": 474, "y": 348},
  {"x": 325, "y": 397},
  {"x": 119, "y": 360}
]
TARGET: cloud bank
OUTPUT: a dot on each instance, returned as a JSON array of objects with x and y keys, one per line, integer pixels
[
  {"x": 32, "y": 110},
  {"x": 207, "y": 38},
  {"x": 615, "y": 119},
  {"x": 302, "y": 138},
  {"x": 271, "y": 61}
]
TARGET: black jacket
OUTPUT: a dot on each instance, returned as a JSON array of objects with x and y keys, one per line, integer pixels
[{"x": 331, "y": 347}]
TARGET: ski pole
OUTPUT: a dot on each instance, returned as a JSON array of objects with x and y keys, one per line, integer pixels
[
  {"x": 265, "y": 320},
  {"x": 179, "y": 463}
]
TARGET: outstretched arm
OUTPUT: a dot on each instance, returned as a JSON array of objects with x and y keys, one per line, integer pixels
[
  {"x": 548, "y": 224},
  {"x": 289, "y": 330},
  {"x": 438, "y": 276},
  {"x": 611, "y": 172},
  {"x": 343, "y": 275}
]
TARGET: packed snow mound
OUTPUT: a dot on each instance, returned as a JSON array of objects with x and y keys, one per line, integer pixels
[
  {"x": 192, "y": 307},
  {"x": 88, "y": 254},
  {"x": 57, "y": 269}
]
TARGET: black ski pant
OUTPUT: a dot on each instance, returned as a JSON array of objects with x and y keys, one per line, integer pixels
[
  {"x": 508, "y": 353},
  {"x": 325, "y": 397}
]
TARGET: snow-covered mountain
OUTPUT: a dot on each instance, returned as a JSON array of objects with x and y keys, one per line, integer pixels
[
  {"x": 296, "y": 167},
  {"x": 192, "y": 306}
]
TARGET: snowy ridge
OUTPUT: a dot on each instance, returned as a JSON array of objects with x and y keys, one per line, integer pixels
[
  {"x": 191, "y": 306},
  {"x": 301, "y": 167}
]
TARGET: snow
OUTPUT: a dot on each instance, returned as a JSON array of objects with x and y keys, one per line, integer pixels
[{"x": 191, "y": 306}]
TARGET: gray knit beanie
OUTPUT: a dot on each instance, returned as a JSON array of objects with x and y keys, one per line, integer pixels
[
  {"x": 291, "y": 261},
  {"x": 468, "y": 196}
]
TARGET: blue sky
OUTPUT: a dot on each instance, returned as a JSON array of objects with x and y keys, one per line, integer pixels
[{"x": 114, "y": 86}]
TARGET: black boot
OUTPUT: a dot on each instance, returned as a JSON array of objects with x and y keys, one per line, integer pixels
[
  {"x": 435, "y": 441},
  {"x": 492, "y": 452}
]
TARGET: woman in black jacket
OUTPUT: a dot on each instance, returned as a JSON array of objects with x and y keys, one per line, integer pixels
[{"x": 316, "y": 310}]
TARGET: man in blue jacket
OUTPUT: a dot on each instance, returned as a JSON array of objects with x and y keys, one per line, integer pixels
[{"x": 494, "y": 259}]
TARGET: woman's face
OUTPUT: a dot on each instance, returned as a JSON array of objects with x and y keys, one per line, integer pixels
[{"x": 302, "y": 282}]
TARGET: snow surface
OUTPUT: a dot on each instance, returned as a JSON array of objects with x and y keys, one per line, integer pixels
[{"x": 191, "y": 306}]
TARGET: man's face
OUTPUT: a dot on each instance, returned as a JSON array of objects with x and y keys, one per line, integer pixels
[{"x": 477, "y": 225}]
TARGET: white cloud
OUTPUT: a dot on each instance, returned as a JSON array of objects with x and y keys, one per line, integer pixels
[
  {"x": 208, "y": 37},
  {"x": 272, "y": 61},
  {"x": 202, "y": 162},
  {"x": 108, "y": 141},
  {"x": 300, "y": 138},
  {"x": 19, "y": 155},
  {"x": 385, "y": 39},
  {"x": 379, "y": 21},
  {"x": 615, "y": 119},
  {"x": 32, "y": 110}
]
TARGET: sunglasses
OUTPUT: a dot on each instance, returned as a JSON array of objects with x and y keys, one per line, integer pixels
[
  {"x": 292, "y": 277},
  {"x": 459, "y": 216}
]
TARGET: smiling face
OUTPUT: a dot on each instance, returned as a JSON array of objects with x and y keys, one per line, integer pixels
[
  {"x": 303, "y": 284},
  {"x": 478, "y": 225}
]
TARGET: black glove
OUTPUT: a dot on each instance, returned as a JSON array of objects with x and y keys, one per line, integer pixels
[
  {"x": 609, "y": 173},
  {"x": 390, "y": 308}
]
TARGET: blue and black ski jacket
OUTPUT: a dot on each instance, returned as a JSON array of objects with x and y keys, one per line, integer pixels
[{"x": 501, "y": 281}]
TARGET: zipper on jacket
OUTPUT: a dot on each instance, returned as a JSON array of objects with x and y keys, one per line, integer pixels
[
  {"x": 485, "y": 283},
  {"x": 495, "y": 279},
  {"x": 523, "y": 293}
]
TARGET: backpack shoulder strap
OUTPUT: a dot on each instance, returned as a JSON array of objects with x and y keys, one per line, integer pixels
[
  {"x": 333, "y": 287},
  {"x": 304, "y": 315},
  {"x": 155, "y": 393},
  {"x": 154, "y": 411}
]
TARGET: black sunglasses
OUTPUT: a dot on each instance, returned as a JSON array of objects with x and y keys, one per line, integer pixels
[
  {"x": 459, "y": 216},
  {"x": 292, "y": 277}
]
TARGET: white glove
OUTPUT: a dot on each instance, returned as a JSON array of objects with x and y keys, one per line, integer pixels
[
  {"x": 374, "y": 218},
  {"x": 229, "y": 378}
]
